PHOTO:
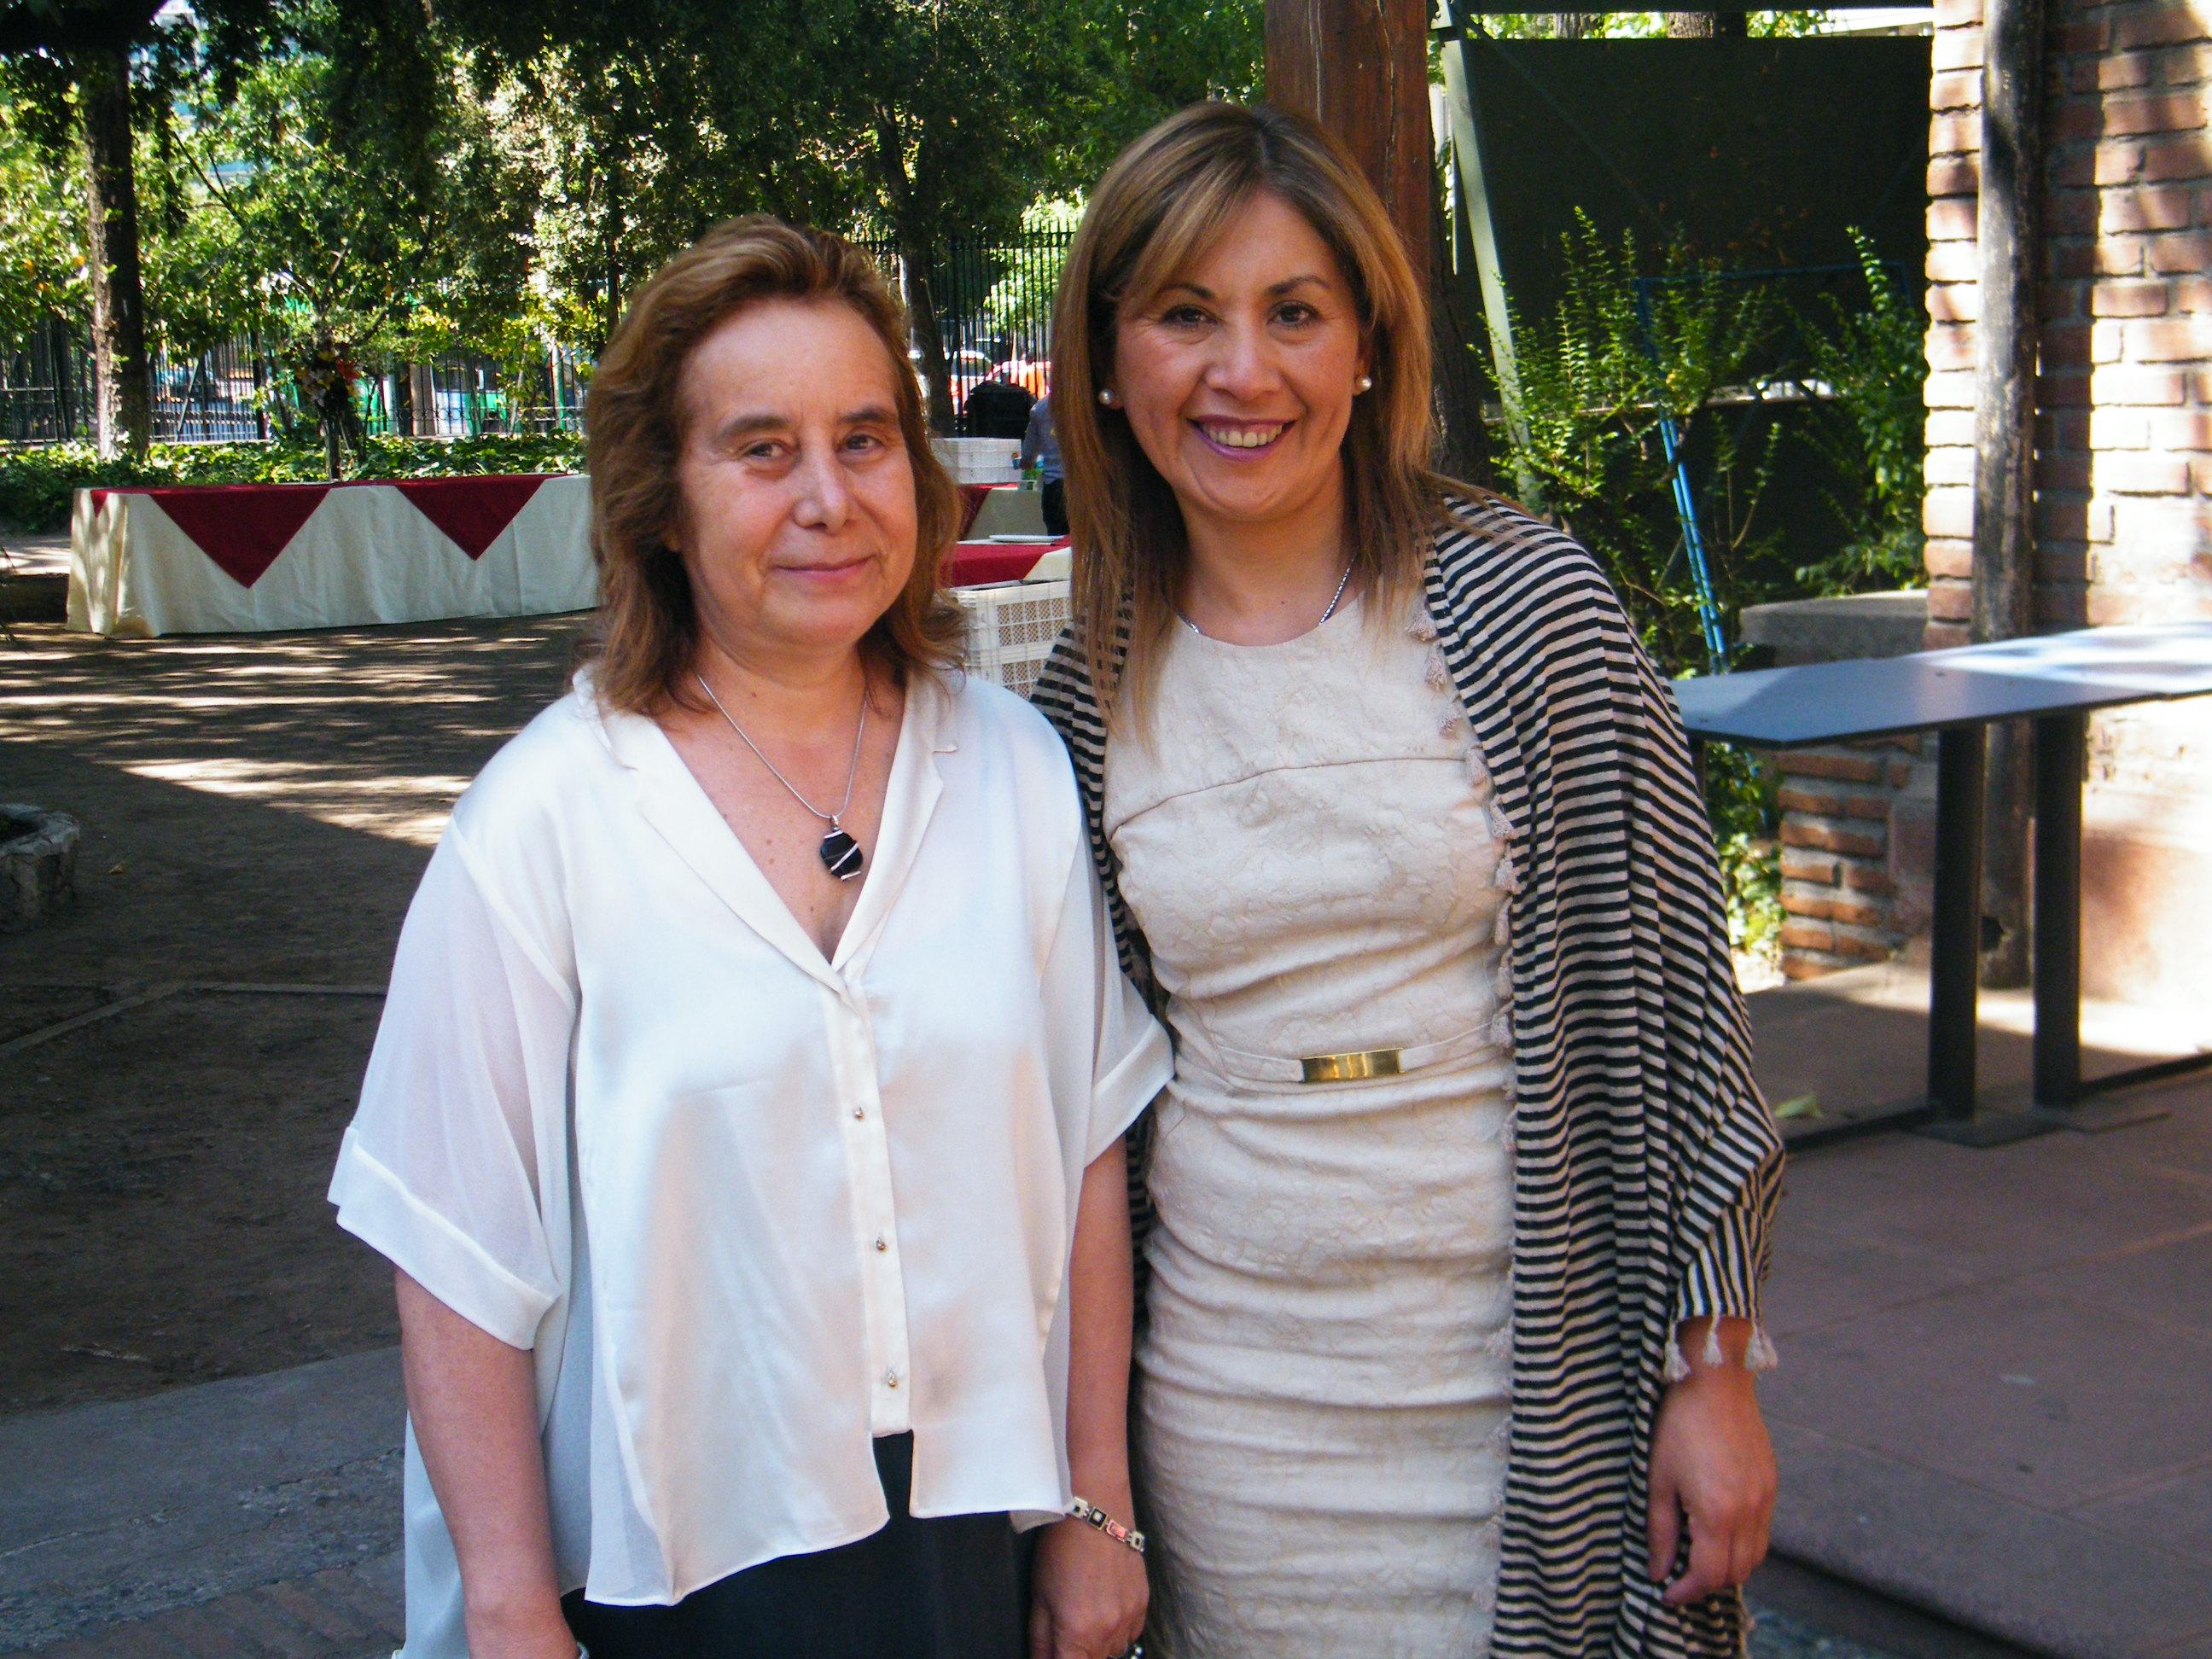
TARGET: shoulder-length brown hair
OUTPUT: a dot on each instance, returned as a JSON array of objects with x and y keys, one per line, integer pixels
[
  {"x": 1160, "y": 205},
  {"x": 647, "y": 633}
]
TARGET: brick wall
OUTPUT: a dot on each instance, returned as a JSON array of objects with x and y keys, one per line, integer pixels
[
  {"x": 2124, "y": 437},
  {"x": 1858, "y": 827}
]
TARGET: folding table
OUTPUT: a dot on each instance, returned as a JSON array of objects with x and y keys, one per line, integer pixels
[{"x": 2056, "y": 680}]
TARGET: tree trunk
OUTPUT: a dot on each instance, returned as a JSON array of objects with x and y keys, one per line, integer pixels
[
  {"x": 1572, "y": 25},
  {"x": 122, "y": 393},
  {"x": 2009, "y": 235},
  {"x": 921, "y": 312},
  {"x": 1463, "y": 449},
  {"x": 1707, "y": 25},
  {"x": 402, "y": 401}
]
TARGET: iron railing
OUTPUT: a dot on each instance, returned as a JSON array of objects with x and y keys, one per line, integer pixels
[{"x": 993, "y": 299}]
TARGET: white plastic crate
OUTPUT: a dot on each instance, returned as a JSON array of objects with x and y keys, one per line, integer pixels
[
  {"x": 982, "y": 460},
  {"x": 1010, "y": 630}
]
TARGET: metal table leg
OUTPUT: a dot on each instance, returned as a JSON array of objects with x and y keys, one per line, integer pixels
[
  {"x": 2062, "y": 744},
  {"x": 2061, "y": 748},
  {"x": 1955, "y": 948}
]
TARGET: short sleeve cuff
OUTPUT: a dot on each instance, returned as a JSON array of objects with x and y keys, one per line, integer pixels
[
  {"x": 1118, "y": 1098},
  {"x": 375, "y": 1207}
]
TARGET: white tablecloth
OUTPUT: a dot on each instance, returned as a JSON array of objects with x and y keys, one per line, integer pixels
[{"x": 360, "y": 553}]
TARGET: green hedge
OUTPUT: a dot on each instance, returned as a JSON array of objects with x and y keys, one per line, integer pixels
[{"x": 35, "y": 485}]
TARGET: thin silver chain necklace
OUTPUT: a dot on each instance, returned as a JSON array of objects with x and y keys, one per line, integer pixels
[
  {"x": 840, "y": 854},
  {"x": 1335, "y": 599}
]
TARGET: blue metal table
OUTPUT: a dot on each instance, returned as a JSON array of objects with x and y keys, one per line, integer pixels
[{"x": 2056, "y": 680}]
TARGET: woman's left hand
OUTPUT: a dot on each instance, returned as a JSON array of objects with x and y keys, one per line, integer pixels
[
  {"x": 1712, "y": 1467},
  {"x": 1090, "y": 1595}
]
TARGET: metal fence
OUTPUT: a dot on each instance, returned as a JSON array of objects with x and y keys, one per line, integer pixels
[
  {"x": 993, "y": 303},
  {"x": 992, "y": 300}
]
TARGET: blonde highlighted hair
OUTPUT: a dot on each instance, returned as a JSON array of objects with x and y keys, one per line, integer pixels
[
  {"x": 1161, "y": 205},
  {"x": 634, "y": 426}
]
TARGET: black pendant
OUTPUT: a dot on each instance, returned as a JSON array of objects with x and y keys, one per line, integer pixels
[{"x": 841, "y": 853}]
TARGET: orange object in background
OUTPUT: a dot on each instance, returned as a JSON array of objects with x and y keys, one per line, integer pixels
[{"x": 1032, "y": 375}]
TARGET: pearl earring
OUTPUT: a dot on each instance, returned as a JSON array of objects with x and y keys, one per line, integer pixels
[
  {"x": 1106, "y": 396},
  {"x": 1366, "y": 383}
]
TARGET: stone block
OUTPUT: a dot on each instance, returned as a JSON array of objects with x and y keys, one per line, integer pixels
[
  {"x": 1833, "y": 804},
  {"x": 1825, "y": 905},
  {"x": 2170, "y": 112},
  {"x": 1858, "y": 837},
  {"x": 38, "y": 865},
  {"x": 2121, "y": 71},
  {"x": 1867, "y": 878},
  {"x": 2170, "y": 340},
  {"x": 2154, "y": 207},
  {"x": 2143, "y": 475},
  {"x": 1830, "y": 630},
  {"x": 2180, "y": 253},
  {"x": 1800, "y": 865},
  {"x": 1953, "y": 175},
  {"x": 1845, "y": 767},
  {"x": 2178, "y": 157},
  {"x": 2170, "y": 24},
  {"x": 2128, "y": 299},
  {"x": 2137, "y": 386},
  {"x": 1798, "y": 935},
  {"x": 1866, "y": 943}
]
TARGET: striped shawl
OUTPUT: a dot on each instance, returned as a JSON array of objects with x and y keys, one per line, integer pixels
[{"x": 1647, "y": 1166}]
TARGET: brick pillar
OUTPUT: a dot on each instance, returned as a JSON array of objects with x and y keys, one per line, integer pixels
[{"x": 2123, "y": 468}]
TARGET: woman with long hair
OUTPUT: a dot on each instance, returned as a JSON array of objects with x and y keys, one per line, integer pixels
[
  {"x": 1462, "y": 1185},
  {"x": 745, "y": 1127}
]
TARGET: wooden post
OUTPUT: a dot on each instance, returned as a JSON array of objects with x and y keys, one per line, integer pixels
[
  {"x": 2009, "y": 230},
  {"x": 1362, "y": 71}
]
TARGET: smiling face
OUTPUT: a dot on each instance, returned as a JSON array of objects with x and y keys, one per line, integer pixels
[
  {"x": 1239, "y": 376},
  {"x": 798, "y": 524}
]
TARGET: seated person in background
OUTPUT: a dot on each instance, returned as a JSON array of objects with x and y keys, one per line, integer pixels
[{"x": 998, "y": 408}]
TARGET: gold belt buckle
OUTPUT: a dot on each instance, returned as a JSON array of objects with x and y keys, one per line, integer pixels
[{"x": 1350, "y": 1069}]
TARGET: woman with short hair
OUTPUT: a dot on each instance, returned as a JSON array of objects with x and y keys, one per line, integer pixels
[
  {"x": 1462, "y": 1185},
  {"x": 745, "y": 1122}
]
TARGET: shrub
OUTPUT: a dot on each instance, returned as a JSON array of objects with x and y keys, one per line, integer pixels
[{"x": 36, "y": 485}]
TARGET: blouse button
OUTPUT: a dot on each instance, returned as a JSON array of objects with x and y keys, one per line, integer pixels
[
  {"x": 880, "y": 1244},
  {"x": 859, "y": 1111},
  {"x": 891, "y": 1379}
]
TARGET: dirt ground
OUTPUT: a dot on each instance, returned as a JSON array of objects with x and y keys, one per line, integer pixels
[{"x": 255, "y": 812}]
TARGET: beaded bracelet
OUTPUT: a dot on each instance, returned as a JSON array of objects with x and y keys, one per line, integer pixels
[{"x": 1092, "y": 1515}]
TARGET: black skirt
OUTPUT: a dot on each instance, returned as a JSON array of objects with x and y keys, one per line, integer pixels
[{"x": 952, "y": 1588}]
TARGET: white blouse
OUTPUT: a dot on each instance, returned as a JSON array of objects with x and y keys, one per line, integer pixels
[{"x": 749, "y": 1207}]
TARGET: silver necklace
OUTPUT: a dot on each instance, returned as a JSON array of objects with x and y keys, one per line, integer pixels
[
  {"x": 840, "y": 854},
  {"x": 1335, "y": 599}
]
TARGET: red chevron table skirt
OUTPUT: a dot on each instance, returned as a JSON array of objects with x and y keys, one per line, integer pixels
[{"x": 249, "y": 558}]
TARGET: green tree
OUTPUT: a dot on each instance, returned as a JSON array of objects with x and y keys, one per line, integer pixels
[
  {"x": 42, "y": 228},
  {"x": 356, "y": 232},
  {"x": 959, "y": 113},
  {"x": 93, "y": 72}
]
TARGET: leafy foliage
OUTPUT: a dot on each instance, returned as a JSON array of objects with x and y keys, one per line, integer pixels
[
  {"x": 1871, "y": 435},
  {"x": 41, "y": 227},
  {"x": 1629, "y": 346},
  {"x": 1619, "y": 357}
]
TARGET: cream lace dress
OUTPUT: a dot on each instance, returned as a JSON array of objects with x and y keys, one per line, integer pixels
[{"x": 1308, "y": 842}]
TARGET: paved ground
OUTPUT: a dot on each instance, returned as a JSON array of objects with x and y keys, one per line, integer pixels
[
  {"x": 255, "y": 815},
  {"x": 1995, "y": 1399},
  {"x": 1995, "y": 1385}
]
